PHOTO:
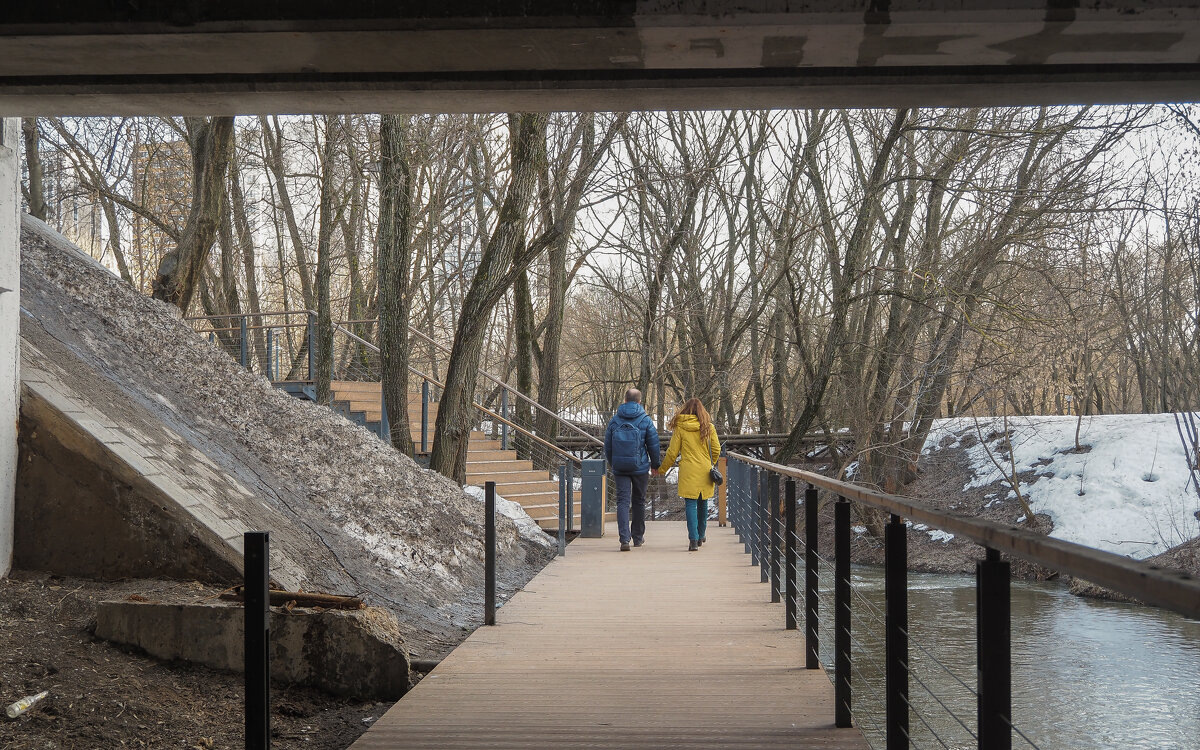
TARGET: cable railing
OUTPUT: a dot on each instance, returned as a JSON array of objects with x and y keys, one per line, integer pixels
[{"x": 916, "y": 700}]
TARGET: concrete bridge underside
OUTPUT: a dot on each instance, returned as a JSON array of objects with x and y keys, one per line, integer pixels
[
  {"x": 226, "y": 57},
  {"x": 501, "y": 55}
]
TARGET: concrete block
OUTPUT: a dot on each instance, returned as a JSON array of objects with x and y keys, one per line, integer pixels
[{"x": 355, "y": 654}]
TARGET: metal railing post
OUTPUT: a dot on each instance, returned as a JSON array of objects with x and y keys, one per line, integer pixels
[
  {"x": 489, "y": 553},
  {"x": 385, "y": 427},
  {"x": 764, "y": 525},
  {"x": 811, "y": 580},
  {"x": 570, "y": 496},
  {"x": 271, "y": 354},
  {"x": 993, "y": 645},
  {"x": 424, "y": 416},
  {"x": 723, "y": 493},
  {"x": 245, "y": 348},
  {"x": 256, "y": 566},
  {"x": 746, "y": 529},
  {"x": 755, "y": 526},
  {"x": 789, "y": 555},
  {"x": 841, "y": 614},
  {"x": 773, "y": 516},
  {"x": 562, "y": 510},
  {"x": 504, "y": 425},
  {"x": 311, "y": 332},
  {"x": 895, "y": 541}
]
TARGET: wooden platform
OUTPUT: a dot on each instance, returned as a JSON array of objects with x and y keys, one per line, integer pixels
[{"x": 654, "y": 648}]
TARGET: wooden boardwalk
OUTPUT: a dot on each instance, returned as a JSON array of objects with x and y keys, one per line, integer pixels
[{"x": 654, "y": 648}]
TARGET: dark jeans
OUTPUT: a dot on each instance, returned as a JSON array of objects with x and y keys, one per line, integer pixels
[{"x": 631, "y": 491}]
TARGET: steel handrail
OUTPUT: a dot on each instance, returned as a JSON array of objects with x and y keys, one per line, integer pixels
[
  {"x": 480, "y": 407},
  {"x": 496, "y": 381},
  {"x": 1170, "y": 589}
]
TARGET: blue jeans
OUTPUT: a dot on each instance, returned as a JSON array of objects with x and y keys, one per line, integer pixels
[
  {"x": 631, "y": 491},
  {"x": 697, "y": 517}
]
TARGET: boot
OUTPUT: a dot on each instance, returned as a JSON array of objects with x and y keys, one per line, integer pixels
[{"x": 693, "y": 546}]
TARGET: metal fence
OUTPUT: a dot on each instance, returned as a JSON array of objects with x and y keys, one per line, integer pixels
[{"x": 893, "y": 709}]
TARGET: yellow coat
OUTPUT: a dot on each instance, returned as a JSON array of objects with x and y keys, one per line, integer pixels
[{"x": 694, "y": 454}]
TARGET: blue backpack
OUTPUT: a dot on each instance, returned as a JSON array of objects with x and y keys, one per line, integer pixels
[{"x": 627, "y": 447}]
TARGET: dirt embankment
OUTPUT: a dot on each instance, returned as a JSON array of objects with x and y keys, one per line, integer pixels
[
  {"x": 104, "y": 697},
  {"x": 351, "y": 514}
]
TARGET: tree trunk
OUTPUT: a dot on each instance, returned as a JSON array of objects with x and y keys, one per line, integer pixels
[
  {"x": 395, "y": 260},
  {"x": 245, "y": 240},
  {"x": 36, "y": 197},
  {"x": 504, "y": 258},
  {"x": 212, "y": 146},
  {"x": 325, "y": 220}
]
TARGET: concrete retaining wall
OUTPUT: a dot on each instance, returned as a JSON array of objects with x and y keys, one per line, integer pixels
[{"x": 356, "y": 654}]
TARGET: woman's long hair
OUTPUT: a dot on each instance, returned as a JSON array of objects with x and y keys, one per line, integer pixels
[{"x": 693, "y": 406}]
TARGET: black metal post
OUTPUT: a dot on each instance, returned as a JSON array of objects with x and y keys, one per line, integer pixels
[
  {"x": 489, "y": 553},
  {"x": 841, "y": 614},
  {"x": 773, "y": 526},
  {"x": 895, "y": 539},
  {"x": 570, "y": 496},
  {"x": 245, "y": 348},
  {"x": 755, "y": 526},
  {"x": 764, "y": 526},
  {"x": 424, "y": 416},
  {"x": 271, "y": 355},
  {"x": 504, "y": 413},
  {"x": 993, "y": 650},
  {"x": 789, "y": 555},
  {"x": 256, "y": 566},
  {"x": 747, "y": 519},
  {"x": 562, "y": 510},
  {"x": 811, "y": 617},
  {"x": 311, "y": 331}
]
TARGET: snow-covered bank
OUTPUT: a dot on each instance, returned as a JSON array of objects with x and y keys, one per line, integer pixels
[
  {"x": 528, "y": 527},
  {"x": 1128, "y": 490}
]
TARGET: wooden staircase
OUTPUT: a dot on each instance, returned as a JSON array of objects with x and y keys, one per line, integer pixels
[{"x": 516, "y": 479}]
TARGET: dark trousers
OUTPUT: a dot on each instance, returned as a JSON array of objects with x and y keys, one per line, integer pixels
[{"x": 631, "y": 500}]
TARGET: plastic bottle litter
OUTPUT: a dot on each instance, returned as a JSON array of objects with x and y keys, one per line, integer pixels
[{"x": 16, "y": 709}]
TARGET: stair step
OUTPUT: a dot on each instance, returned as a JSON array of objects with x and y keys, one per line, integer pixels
[
  {"x": 524, "y": 475},
  {"x": 498, "y": 465}
]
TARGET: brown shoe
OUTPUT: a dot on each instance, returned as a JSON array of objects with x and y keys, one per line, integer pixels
[
  {"x": 693, "y": 546},
  {"x": 624, "y": 546}
]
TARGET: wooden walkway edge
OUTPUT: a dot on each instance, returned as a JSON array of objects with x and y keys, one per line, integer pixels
[{"x": 654, "y": 648}]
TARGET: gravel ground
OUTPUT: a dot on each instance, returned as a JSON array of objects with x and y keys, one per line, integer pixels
[{"x": 104, "y": 697}]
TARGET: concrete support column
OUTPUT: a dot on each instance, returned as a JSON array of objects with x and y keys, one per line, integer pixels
[{"x": 10, "y": 327}]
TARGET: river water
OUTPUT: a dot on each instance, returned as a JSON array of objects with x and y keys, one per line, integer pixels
[{"x": 1086, "y": 673}]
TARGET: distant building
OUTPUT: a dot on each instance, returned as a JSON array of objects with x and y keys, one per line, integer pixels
[{"x": 71, "y": 208}]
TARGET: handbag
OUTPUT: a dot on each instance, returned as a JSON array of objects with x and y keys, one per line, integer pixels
[{"x": 713, "y": 472}]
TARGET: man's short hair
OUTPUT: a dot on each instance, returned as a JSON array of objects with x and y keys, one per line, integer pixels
[{"x": 633, "y": 395}]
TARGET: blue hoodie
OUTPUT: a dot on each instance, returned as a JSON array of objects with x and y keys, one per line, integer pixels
[{"x": 632, "y": 436}]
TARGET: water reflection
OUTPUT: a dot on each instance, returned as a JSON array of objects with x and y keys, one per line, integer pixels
[{"x": 1086, "y": 674}]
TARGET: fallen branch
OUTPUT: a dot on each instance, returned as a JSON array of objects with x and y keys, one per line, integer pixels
[{"x": 299, "y": 599}]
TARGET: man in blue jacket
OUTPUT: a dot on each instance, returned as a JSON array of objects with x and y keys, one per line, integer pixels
[{"x": 631, "y": 447}]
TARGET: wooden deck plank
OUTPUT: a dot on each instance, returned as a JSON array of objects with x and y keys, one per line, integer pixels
[{"x": 654, "y": 648}]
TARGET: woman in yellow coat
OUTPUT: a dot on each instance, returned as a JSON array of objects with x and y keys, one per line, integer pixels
[{"x": 694, "y": 441}]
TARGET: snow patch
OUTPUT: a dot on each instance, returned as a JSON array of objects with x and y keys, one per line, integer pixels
[
  {"x": 1098, "y": 496},
  {"x": 527, "y": 527}
]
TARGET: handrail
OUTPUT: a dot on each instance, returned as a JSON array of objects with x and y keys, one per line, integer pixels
[
  {"x": 1174, "y": 590},
  {"x": 480, "y": 407},
  {"x": 413, "y": 331},
  {"x": 497, "y": 381}
]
